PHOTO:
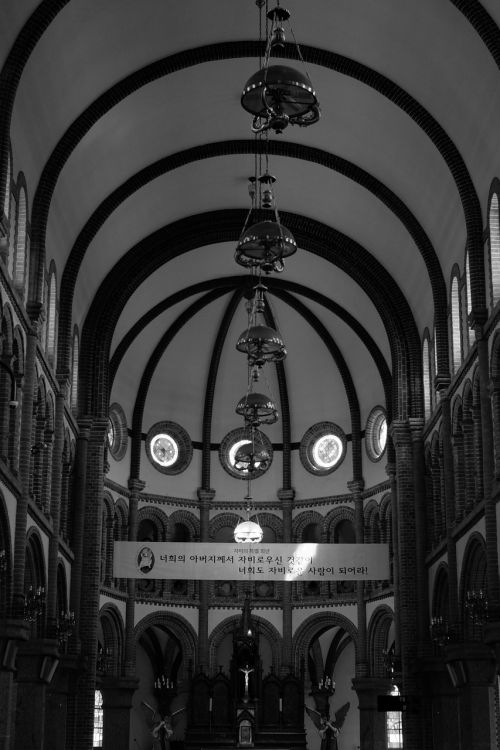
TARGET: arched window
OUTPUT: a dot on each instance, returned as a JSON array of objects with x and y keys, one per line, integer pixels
[
  {"x": 6, "y": 200},
  {"x": 426, "y": 369},
  {"x": 75, "y": 357},
  {"x": 468, "y": 302},
  {"x": 98, "y": 719},
  {"x": 494, "y": 248},
  {"x": 21, "y": 240},
  {"x": 455, "y": 325},
  {"x": 51, "y": 318},
  {"x": 394, "y": 728}
]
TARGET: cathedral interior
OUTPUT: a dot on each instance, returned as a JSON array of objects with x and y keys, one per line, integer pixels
[{"x": 249, "y": 294}]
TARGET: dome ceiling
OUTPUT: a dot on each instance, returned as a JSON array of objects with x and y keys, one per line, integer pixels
[{"x": 128, "y": 127}]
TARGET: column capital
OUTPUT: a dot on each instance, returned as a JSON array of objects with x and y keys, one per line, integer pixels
[
  {"x": 400, "y": 432},
  {"x": 136, "y": 485},
  {"x": 390, "y": 470},
  {"x": 286, "y": 496},
  {"x": 442, "y": 381},
  {"x": 205, "y": 496},
  {"x": 356, "y": 486},
  {"x": 36, "y": 315}
]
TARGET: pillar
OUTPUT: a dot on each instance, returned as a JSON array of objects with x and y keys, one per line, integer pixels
[
  {"x": 408, "y": 602},
  {"x": 286, "y": 498},
  {"x": 117, "y": 702},
  {"x": 472, "y": 670},
  {"x": 135, "y": 487},
  {"x": 37, "y": 661},
  {"x": 356, "y": 487},
  {"x": 205, "y": 497},
  {"x": 12, "y": 633},
  {"x": 372, "y": 723},
  {"x": 90, "y": 585}
]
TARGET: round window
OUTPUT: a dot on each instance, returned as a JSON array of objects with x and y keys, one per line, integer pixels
[
  {"x": 169, "y": 447},
  {"x": 376, "y": 433},
  {"x": 244, "y": 454},
  {"x": 117, "y": 434},
  {"x": 322, "y": 448}
]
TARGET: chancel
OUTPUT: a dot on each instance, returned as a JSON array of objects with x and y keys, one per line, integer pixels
[{"x": 249, "y": 375}]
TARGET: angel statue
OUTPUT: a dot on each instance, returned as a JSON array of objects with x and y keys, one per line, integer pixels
[
  {"x": 328, "y": 731},
  {"x": 161, "y": 728}
]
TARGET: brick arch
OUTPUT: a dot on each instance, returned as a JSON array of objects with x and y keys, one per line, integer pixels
[
  {"x": 228, "y": 626},
  {"x": 187, "y": 518},
  {"x": 456, "y": 413},
  {"x": 314, "y": 624},
  {"x": 371, "y": 516},
  {"x": 271, "y": 521},
  {"x": 303, "y": 520},
  {"x": 157, "y": 516},
  {"x": 112, "y": 625},
  {"x": 440, "y": 592},
  {"x": 180, "y": 628},
  {"x": 378, "y": 639},
  {"x": 107, "y": 498},
  {"x": 334, "y": 517},
  {"x": 221, "y": 520}
]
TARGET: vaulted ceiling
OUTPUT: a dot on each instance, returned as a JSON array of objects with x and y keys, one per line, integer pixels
[{"x": 128, "y": 126}]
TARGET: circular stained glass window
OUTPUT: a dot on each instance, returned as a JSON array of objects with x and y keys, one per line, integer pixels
[
  {"x": 169, "y": 447},
  {"x": 376, "y": 433},
  {"x": 244, "y": 457},
  {"x": 164, "y": 449},
  {"x": 326, "y": 451},
  {"x": 322, "y": 448},
  {"x": 117, "y": 433}
]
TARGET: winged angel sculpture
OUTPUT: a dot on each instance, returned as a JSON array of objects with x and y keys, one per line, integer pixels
[
  {"x": 328, "y": 730},
  {"x": 161, "y": 727}
]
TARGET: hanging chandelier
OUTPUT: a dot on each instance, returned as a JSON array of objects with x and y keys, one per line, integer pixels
[
  {"x": 265, "y": 244},
  {"x": 248, "y": 531},
  {"x": 278, "y": 95},
  {"x": 257, "y": 409},
  {"x": 259, "y": 342}
]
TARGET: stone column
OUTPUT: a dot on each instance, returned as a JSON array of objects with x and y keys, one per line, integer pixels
[
  {"x": 286, "y": 498},
  {"x": 449, "y": 484},
  {"x": 416, "y": 427},
  {"x": 57, "y": 736},
  {"x": 356, "y": 487},
  {"x": 117, "y": 697},
  {"x": 391, "y": 472},
  {"x": 55, "y": 507},
  {"x": 12, "y": 633},
  {"x": 372, "y": 723},
  {"x": 441, "y": 703},
  {"x": 408, "y": 603},
  {"x": 135, "y": 487},
  {"x": 24, "y": 468},
  {"x": 490, "y": 511},
  {"x": 90, "y": 584},
  {"x": 37, "y": 661},
  {"x": 205, "y": 497},
  {"x": 472, "y": 669}
]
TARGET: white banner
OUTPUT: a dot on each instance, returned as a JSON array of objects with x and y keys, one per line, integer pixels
[{"x": 261, "y": 562}]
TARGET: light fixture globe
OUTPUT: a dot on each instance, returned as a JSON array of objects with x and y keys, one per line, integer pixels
[
  {"x": 265, "y": 245},
  {"x": 257, "y": 409},
  {"x": 261, "y": 344},
  {"x": 278, "y": 95},
  {"x": 254, "y": 459},
  {"x": 248, "y": 532}
]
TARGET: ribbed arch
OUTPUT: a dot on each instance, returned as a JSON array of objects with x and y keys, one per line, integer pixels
[
  {"x": 278, "y": 148},
  {"x": 381, "y": 622},
  {"x": 145, "y": 258},
  {"x": 229, "y": 50}
]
